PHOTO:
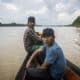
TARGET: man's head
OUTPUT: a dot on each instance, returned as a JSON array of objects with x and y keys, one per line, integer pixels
[
  {"x": 31, "y": 22},
  {"x": 48, "y": 36}
]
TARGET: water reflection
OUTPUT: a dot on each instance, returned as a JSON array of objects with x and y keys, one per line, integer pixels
[{"x": 78, "y": 36}]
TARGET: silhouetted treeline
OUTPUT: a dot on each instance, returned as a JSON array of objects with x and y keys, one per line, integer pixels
[
  {"x": 12, "y": 24},
  {"x": 76, "y": 22}
]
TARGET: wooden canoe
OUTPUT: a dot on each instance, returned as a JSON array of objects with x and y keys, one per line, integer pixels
[{"x": 72, "y": 72}]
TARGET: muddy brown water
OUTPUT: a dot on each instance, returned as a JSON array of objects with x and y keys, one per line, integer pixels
[{"x": 12, "y": 51}]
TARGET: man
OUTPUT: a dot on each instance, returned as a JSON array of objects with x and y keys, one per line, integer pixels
[
  {"x": 54, "y": 63},
  {"x": 30, "y": 37},
  {"x": 30, "y": 44}
]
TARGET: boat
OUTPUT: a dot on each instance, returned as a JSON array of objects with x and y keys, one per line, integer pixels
[{"x": 71, "y": 73}]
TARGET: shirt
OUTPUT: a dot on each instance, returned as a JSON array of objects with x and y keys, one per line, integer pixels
[
  {"x": 30, "y": 38},
  {"x": 56, "y": 59}
]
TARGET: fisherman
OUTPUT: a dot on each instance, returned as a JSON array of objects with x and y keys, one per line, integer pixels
[{"x": 54, "y": 63}]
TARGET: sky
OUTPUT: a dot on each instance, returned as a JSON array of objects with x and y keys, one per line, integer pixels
[{"x": 56, "y": 12}]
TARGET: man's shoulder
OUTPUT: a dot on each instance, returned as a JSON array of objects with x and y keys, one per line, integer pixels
[
  {"x": 55, "y": 46},
  {"x": 28, "y": 30}
]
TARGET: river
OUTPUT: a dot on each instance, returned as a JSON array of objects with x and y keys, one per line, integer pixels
[{"x": 12, "y": 51}]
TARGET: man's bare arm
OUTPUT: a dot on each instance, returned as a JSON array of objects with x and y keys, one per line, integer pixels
[{"x": 32, "y": 56}]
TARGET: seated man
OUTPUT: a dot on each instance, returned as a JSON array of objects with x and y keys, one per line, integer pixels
[
  {"x": 30, "y": 37},
  {"x": 54, "y": 63}
]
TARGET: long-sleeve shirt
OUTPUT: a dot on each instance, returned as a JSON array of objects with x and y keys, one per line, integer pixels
[{"x": 30, "y": 38}]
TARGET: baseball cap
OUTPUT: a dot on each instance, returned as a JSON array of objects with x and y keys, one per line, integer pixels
[{"x": 48, "y": 32}]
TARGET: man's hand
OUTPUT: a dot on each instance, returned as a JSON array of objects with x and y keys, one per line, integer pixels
[{"x": 45, "y": 65}]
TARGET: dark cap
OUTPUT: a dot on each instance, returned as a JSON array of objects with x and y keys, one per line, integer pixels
[
  {"x": 48, "y": 32},
  {"x": 31, "y": 19}
]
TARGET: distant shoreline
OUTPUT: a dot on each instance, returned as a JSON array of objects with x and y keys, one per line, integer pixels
[
  {"x": 13, "y": 24},
  {"x": 75, "y": 23},
  {"x": 27, "y": 25},
  {"x": 16, "y": 25}
]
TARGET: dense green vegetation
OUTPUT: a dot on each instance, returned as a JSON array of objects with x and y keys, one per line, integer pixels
[{"x": 76, "y": 22}]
